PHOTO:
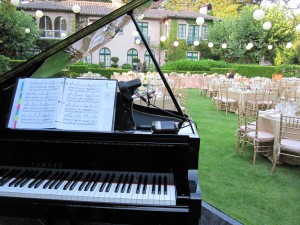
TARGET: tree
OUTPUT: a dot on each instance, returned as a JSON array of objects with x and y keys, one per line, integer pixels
[
  {"x": 12, "y": 30},
  {"x": 238, "y": 31}
]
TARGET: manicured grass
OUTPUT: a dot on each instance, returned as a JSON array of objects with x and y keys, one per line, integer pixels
[{"x": 249, "y": 194}]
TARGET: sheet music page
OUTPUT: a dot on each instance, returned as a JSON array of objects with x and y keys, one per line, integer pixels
[
  {"x": 88, "y": 104},
  {"x": 36, "y": 103}
]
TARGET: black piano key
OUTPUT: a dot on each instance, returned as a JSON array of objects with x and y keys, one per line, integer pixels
[
  {"x": 85, "y": 180},
  {"x": 130, "y": 184},
  {"x": 52, "y": 179},
  {"x": 76, "y": 181},
  {"x": 68, "y": 184},
  {"x": 153, "y": 184},
  {"x": 104, "y": 182},
  {"x": 145, "y": 184},
  {"x": 3, "y": 171},
  {"x": 90, "y": 182},
  {"x": 119, "y": 183},
  {"x": 138, "y": 188},
  {"x": 19, "y": 177},
  {"x": 96, "y": 181},
  {"x": 22, "y": 178},
  {"x": 159, "y": 185},
  {"x": 40, "y": 176},
  {"x": 111, "y": 180},
  {"x": 57, "y": 179},
  {"x": 47, "y": 175},
  {"x": 31, "y": 176},
  {"x": 124, "y": 183},
  {"x": 13, "y": 173},
  {"x": 165, "y": 185},
  {"x": 62, "y": 180}
]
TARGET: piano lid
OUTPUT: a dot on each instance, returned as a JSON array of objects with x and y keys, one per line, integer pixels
[{"x": 93, "y": 37}]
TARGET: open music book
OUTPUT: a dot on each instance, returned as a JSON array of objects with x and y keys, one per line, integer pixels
[{"x": 64, "y": 103}]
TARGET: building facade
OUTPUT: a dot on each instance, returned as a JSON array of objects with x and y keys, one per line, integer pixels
[{"x": 58, "y": 21}]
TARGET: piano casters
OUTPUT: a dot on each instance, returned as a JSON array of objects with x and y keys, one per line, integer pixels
[{"x": 124, "y": 118}]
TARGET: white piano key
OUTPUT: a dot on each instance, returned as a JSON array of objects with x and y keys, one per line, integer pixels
[
  {"x": 172, "y": 190},
  {"x": 132, "y": 184},
  {"x": 145, "y": 196}
]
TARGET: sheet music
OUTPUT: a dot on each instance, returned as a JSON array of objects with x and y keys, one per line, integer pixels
[
  {"x": 36, "y": 103},
  {"x": 63, "y": 103},
  {"x": 88, "y": 105}
]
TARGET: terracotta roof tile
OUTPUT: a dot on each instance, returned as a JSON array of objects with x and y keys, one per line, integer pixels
[{"x": 104, "y": 8}]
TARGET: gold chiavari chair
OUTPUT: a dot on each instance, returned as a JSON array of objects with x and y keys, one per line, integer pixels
[
  {"x": 289, "y": 139},
  {"x": 261, "y": 141}
]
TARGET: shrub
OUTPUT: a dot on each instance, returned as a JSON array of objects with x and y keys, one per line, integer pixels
[
  {"x": 4, "y": 64},
  {"x": 187, "y": 65},
  {"x": 126, "y": 66}
]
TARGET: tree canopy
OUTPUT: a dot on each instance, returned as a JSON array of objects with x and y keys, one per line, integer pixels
[
  {"x": 240, "y": 30},
  {"x": 12, "y": 30}
]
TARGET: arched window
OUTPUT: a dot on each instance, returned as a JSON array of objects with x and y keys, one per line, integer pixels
[
  {"x": 88, "y": 59},
  {"x": 131, "y": 54},
  {"x": 60, "y": 26},
  {"x": 104, "y": 57},
  {"x": 46, "y": 27},
  {"x": 148, "y": 59}
]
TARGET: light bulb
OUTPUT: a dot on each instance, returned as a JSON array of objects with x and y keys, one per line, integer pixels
[
  {"x": 259, "y": 14},
  {"x": 39, "y": 14},
  {"x": 176, "y": 43},
  {"x": 267, "y": 25},
  {"x": 200, "y": 21},
  {"x": 76, "y": 8},
  {"x": 210, "y": 44},
  {"x": 27, "y": 30},
  {"x": 196, "y": 43},
  {"x": 163, "y": 38}
]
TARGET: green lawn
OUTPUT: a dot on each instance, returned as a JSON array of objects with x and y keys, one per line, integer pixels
[{"x": 249, "y": 194}]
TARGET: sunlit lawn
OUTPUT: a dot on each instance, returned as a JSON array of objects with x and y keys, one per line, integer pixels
[{"x": 249, "y": 194}]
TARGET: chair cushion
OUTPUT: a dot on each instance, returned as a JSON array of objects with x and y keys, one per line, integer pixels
[
  {"x": 292, "y": 145},
  {"x": 229, "y": 100},
  {"x": 262, "y": 136},
  {"x": 250, "y": 127}
]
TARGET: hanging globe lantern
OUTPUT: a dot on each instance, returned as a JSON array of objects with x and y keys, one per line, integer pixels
[
  {"x": 267, "y": 25},
  {"x": 259, "y": 14},
  {"x": 76, "y": 8},
  {"x": 196, "y": 43},
  {"x": 135, "y": 33},
  {"x": 63, "y": 35},
  {"x": 210, "y": 44},
  {"x": 200, "y": 21},
  {"x": 15, "y": 2},
  {"x": 163, "y": 38},
  {"x": 39, "y": 14},
  {"x": 224, "y": 45},
  {"x": 138, "y": 41},
  {"x": 270, "y": 47},
  {"x": 27, "y": 30},
  {"x": 289, "y": 45},
  {"x": 176, "y": 43},
  {"x": 298, "y": 28}
]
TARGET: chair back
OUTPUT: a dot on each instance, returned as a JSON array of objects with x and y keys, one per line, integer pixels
[{"x": 289, "y": 128}]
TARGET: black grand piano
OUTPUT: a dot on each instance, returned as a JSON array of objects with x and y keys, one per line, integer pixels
[{"x": 132, "y": 175}]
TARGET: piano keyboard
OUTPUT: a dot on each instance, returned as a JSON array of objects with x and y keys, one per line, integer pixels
[{"x": 88, "y": 185}]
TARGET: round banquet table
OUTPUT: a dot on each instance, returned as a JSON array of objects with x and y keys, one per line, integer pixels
[{"x": 270, "y": 121}]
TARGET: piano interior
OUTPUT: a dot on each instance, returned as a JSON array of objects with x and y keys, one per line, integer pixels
[{"x": 128, "y": 176}]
